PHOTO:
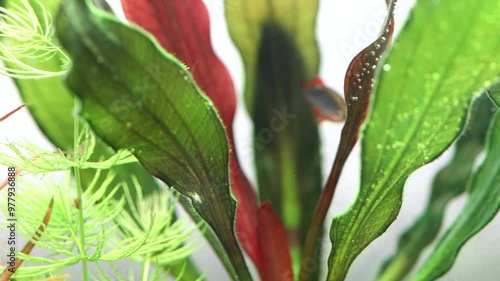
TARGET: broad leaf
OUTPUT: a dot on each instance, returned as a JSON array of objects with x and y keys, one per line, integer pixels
[
  {"x": 182, "y": 27},
  {"x": 483, "y": 203},
  {"x": 449, "y": 183},
  {"x": 247, "y": 22},
  {"x": 280, "y": 54},
  {"x": 494, "y": 93},
  {"x": 138, "y": 97},
  {"x": 436, "y": 67},
  {"x": 45, "y": 95}
]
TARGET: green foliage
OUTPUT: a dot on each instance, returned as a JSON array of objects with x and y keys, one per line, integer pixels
[
  {"x": 280, "y": 53},
  {"x": 450, "y": 182},
  {"x": 28, "y": 42},
  {"x": 110, "y": 234},
  {"x": 143, "y": 103},
  {"x": 28, "y": 157},
  {"x": 436, "y": 67},
  {"x": 483, "y": 203},
  {"x": 138, "y": 97}
]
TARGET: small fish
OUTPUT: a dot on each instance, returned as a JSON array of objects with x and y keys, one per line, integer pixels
[{"x": 327, "y": 104}]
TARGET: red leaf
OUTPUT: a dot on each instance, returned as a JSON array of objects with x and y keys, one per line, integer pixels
[
  {"x": 276, "y": 261},
  {"x": 183, "y": 28}
]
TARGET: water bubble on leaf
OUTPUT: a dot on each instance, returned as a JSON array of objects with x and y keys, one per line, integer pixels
[
  {"x": 382, "y": 39},
  {"x": 372, "y": 53},
  {"x": 377, "y": 46},
  {"x": 128, "y": 125},
  {"x": 185, "y": 77},
  {"x": 386, "y": 67}
]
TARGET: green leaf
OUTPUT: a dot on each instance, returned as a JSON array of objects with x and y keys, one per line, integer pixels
[
  {"x": 446, "y": 52},
  {"x": 494, "y": 93},
  {"x": 136, "y": 96},
  {"x": 449, "y": 183},
  {"x": 247, "y": 21},
  {"x": 277, "y": 42},
  {"x": 483, "y": 203},
  {"x": 45, "y": 95}
]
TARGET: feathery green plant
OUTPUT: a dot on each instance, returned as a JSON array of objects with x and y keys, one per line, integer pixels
[
  {"x": 30, "y": 36},
  {"x": 110, "y": 233}
]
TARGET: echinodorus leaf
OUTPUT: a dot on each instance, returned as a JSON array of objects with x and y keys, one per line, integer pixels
[
  {"x": 182, "y": 27},
  {"x": 276, "y": 40},
  {"x": 137, "y": 96},
  {"x": 440, "y": 61},
  {"x": 483, "y": 203},
  {"x": 449, "y": 182}
]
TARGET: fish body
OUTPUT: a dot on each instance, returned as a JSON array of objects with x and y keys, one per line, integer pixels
[{"x": 327, "y": 104}]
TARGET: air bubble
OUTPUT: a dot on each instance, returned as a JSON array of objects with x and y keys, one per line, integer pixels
[
  {"x": 377, "y": 46},
  {"x": 354, "y": 98},
  {"x": 372, "y": 53},
  {"x": 382, "y": 39}
]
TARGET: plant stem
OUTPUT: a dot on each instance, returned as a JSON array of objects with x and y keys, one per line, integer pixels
[
  {"x": 347, "y": 142},
  {"x": 76, "y": 170},
  {"x": 145, "y": 269}
]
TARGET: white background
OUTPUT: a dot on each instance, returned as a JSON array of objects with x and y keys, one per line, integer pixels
[{"x": 344, "y": 28}]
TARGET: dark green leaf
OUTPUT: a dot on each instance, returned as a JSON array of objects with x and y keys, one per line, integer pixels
[
  {"x": 45, "y": 95},
  {"x": 249, "y": 22},
  {"x": 138, "y": 97},
  {"x": 277, "y": 42},
  {"x": 447, "y": 52},
  {"x": 494, "y": 93}
]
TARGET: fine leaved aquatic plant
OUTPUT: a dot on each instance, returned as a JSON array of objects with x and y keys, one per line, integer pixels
[{"x": 149, "y": 98}]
